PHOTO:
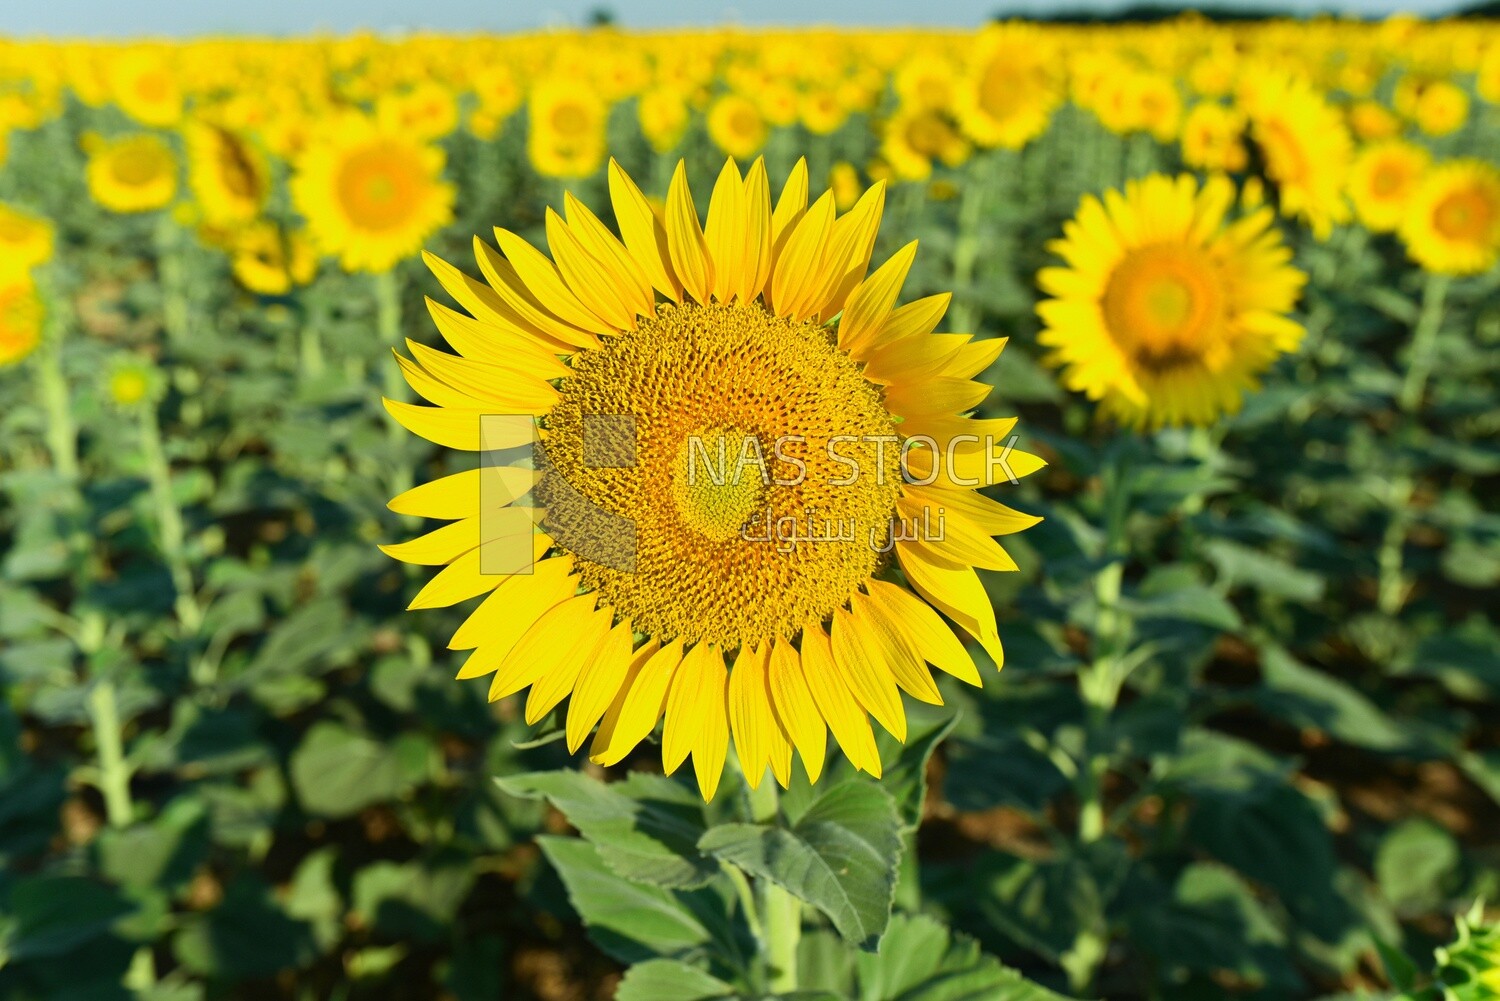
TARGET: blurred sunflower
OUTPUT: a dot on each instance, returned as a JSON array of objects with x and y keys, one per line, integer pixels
[
  {"x": 268, "y": 261},
  {"x": 1381, "y": 182},
  {"x": 1213, "y": 138},
  {"x": 370, "y": 195},
  {"x": 735, "y": 125},
  {"x": 26, "y": 240},
  {"x": 135, "y": 173},
  {"x": 21, "y": 316},
  {"x": 663, "y": 114},
  {"x": 1372, "y": 121},
  {"x": 1011, "y": 90},
  {"x": 1306, "y": 147},
  {"x": 913, "y": 139},
  {"x": 566, "y": 137},
  {"x": 1452, "y": 224},
  {"x": 229, "y": 177},
  {"x": 145, "y": 86},
  {"x": 1166, "y": 312},
  {"x": 722, "y": 629}
]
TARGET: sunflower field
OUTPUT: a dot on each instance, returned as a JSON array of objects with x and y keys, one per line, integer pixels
[{"x": 1187, "y": 335}]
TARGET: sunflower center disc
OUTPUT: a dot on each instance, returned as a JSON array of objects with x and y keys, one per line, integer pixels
[{"x": 762, "y": 481}]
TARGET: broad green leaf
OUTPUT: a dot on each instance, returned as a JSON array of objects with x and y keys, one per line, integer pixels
[
  {"x": 840, "y": 856},
  {"x": 646, "y": 828},
  {"x": 338, "y": 771},
  {"x": 1416, "y": 864},
  {"x": 634, "y": 921},
  {"x": 671, "y": 980},
  {"x": 412, "y": 900},
  {"x": 1306, "y": 697},
  {"x": 246, "y": 935},
  {"x": 52, "y": 915},
  {"x": 920, "y": 960}
]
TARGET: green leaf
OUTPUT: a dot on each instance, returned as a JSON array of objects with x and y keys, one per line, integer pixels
[
  {"x": 634, "y": 921},
  {"x": 1416, "y": 864},
  {"x": 247, "y": 935},
  {"x": 412, "y": 900},
  {"x": 646, "y": 828},
  {"x": 1241, "y": 565},
  {"x": 670, "y": 980},
  {"x": 338, "y": 771},
  {"x": 1306, "y": 697},
  {"x": 52, "y": 915},
  {"x": 840, "y": 856},
  {"x": 920, "y": 960}
]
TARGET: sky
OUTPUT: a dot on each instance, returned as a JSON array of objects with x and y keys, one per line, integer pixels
[{"x": 134, "y": 18}]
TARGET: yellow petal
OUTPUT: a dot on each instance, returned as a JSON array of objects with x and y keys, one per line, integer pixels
[
  {"x": 758, "y": 233},
  {"x": 974, "y": 358},
  {"x": 633, "y": 716},
  {"x": 449, "y": 498},
  {"x": 643, "y": 232},
  {"x": 791, "y": 203},
  {"x": 793, "y": 704},
  {"x": 957, "y": 540},
  {"x": 990, "y": 516},
  {"x": 550, "y": 641},
  {"x": 955, "y": 590},
  {"x": 590, "y": 280},
  {"x": 471, "y": 575},
  {"x": 797, "y": 271},
  {"x": 749, "y": 714},
  {"x": 871, "y": 302},
  {"x": 867, "y": 675},
  {"x": 912, "y": 359},
  {"x": 928, "y": 632},
  {"x": 915, "y": 318},
  {"x": 574, "y": 651},
  {"x": 599, "y": 684},
  {"x": 697, "y": 717},
  {"x": 725, "y": 232},
  {"x": 685, "y": 241},
  {"x": 849, "y": 247},
  {"x": 628, "y": 274},
  {"x": 940, "y": 396},
  {"x": 895, "y": 648},
  {"x": 507, "y": 283},
  {"x": 836, "y": 703},
  {"x": 444, "y": 545},
  {"x": 464, "y": 429},
  {"x": 486, "y": 381},
  {"x": 509, "y": 611},
  {"x": 546, "y": 284},
  {"x": 499, "y": 345}
]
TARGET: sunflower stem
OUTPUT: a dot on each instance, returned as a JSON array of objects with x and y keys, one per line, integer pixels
[
  {"x": 169, "y": 520},
  {"x": 62, "y": 432},
  {"x": 780, "y": 913},
  {"x": 971, "y": 205},
  {"x": 175, "y": 319},
  {"x": 1391, "y": 589},
  {"x": 114, "y": 772},
  {"x": 388, "y": 325}
]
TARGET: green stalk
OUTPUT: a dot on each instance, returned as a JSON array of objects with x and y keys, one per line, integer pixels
[
  {"x": 971, "y": 207},
  {"x": 310, "y": 362},
  {"x": 1391, "y": 589},
  {"x": 169, "y": 520},
  {"x": 175, "y": 317},
  {"x": 114, "y": 773},
  {"x": 388, "y": 327},
  {"x": 780, "y": 911},
  {"x": 62, "y": 432}
]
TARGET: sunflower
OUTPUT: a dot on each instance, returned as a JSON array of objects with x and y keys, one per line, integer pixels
[
  {"x": 144, "y": 86},
  {"x": 228, "y": 175},
  {"x": 728, "y": 602},
  {"x": 736, "y": 126},
  {"x": 1382, "y": 180},
  {"x": 370, "y": 195},
  {"x": 663, "y": 114},
  {"x": 268, "y": 261},
  {"x": 1166, "y": 312},
  {"x": 26, "y": 240},
  {"x": 1441, "y": 108},
  {"x": 913, "y": 138},
  {"x": 1371, "y": 121},
  {"x": 566, "y": 137},
  {"x": 21, "y": 316},
  {"x": 1213, "y": 138},
  {"x": 426, "y": 111},
  {"x": 1452, "y": 223},
  {"x": 1011, "y": 89},
  {"x": 1306, "y": 147},
  {"x": 135, "y": 173}
]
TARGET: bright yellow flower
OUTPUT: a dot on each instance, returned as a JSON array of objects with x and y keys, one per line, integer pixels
[
  {"x": 21, "y": 316},
  {"x": 1441, "y": 109},
  {"x": 26, "y": 240},
  {"x": 735, "y": 125},
  {"x": 702, "y": 339},
  {"x": 143, "y": 84},
  {"x": 426, "y": 111},
  {"x": 1382, "y": 181},
  {"x": 135, "y": 173},
  {"x": 926, "y": 82},
  {"x": 131, "y": 381},
  {"x": 1158, "y": 105},
  {"x": 843, "y": 181},
  {"x": 1166, "y": 312},
  {"x": 1306, "y": 147},
  {"x": 821, "y": 113},
  {"x": 1213, "y": 138},
  {"x": 566, "y": 137},
  {"x": 1011, "y": 89},
  {"x": 1487, "y": 76},
  {"x": 663, "y": 115},
  {"x": 1372, "y": 121},
  {"x": 229, "y": 177},
  {"x": 268, "y": 261},
  {"x": 914, "y": 138},
  {"x": 370, "y": 196},
  {"x": 1452, "y": 224}
]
